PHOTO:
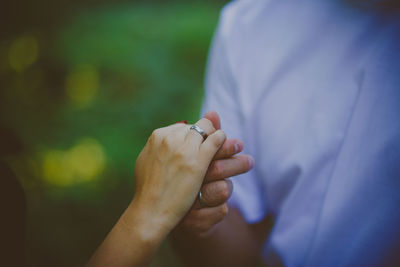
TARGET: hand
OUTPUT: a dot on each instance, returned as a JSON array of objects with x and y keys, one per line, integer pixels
[
  {"x": 168, "y": 174},
  {"x": 170, "y": 170},
  {"x": 216, "y": 190}
]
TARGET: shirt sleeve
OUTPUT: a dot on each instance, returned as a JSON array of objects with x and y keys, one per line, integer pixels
[{"x": 221, "y": 95}]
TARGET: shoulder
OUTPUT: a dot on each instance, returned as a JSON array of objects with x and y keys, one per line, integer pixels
[{"x": 238, "y": 15}]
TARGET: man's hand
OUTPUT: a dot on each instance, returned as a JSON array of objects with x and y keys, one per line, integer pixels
[{"x": 216, "y": 190}]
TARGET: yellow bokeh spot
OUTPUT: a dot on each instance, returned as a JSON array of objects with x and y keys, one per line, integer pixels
[
  {"x": 23, "y": 53},
  {"x": 55, "y": 169},
  {"x": 81, "y": 163},
  {"x": 82, "y": 84},
  {"x": 86, "y": 159}
]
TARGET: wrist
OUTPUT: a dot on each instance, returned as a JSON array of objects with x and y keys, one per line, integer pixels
[{"x": 147, "y": 225}]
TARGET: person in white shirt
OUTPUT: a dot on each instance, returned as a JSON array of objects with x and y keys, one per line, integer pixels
[{"x": 313, "y": 89}]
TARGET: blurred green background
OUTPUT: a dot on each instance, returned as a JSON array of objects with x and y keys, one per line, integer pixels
[{"x": 83, "y": 84}]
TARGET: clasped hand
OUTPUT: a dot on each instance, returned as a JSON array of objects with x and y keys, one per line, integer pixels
[{"x": 175, "y": 164}]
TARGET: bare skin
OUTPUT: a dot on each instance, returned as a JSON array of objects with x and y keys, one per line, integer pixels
[
  {"x": 168, "y": 173},
  {"x": 209, "y": 235},
  {"x": 216, "y": 189}
]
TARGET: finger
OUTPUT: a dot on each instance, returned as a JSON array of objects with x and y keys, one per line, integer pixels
[
  {"x": 194, "y": 137},
  {"x": 214, "y": 118},
  {"x": 177, "y": 132},
  {"x": 210, "y": 146},
  {"x": 214, "y": 194},
  {"x": 229, "y": 148},
  {"x": 225, "y": 168},
  {"x": 172, "y": 128},
  {"x": 201, "y": 220}
]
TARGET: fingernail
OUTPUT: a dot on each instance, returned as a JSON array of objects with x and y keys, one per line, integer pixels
[
  {"x": 184, "y": 121},
  {"x": 238, "y": 147},
  {"x": 251, "y": 162}
]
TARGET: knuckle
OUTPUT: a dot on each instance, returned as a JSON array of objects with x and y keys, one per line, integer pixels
[
  {"x": 208, "y": 124},
  {"x": 155, "y": 135},
  {"x": 215, "y": 141},
  {"x": 219, "y": 138},
  {"x": 152, "y": 138},
  {"x": 223, "y": 135},
  {"x": 157, "y": 132},
  {"x": 165, "y": 143}
]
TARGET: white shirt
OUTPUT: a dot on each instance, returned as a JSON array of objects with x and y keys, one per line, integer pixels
[{"x": 312, "y": 87}]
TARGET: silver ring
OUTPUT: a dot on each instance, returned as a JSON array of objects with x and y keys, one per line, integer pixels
[
  {"x": 201, "y": 200},
  {"x": 199, "y": 130}
]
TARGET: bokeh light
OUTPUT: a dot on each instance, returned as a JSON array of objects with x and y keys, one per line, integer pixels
[
  {"x": 81, "y": 163},
  {"x": 23, "y": 53},
  {"x": 82, "y": 84}
]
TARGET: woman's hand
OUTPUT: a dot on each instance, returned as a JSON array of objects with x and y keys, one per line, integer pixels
[
  {"x": 170, "y": 170},
  {"x": 168, "y": 175}
]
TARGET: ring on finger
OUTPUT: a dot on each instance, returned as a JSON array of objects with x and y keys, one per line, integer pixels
[
  {"x": 199, "y": 130},
  {"x": 201, "y": 200}
]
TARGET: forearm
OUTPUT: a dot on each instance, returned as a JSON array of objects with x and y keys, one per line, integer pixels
[
  {"x": 232, "y": 242},
  {"x": 132, "y": 241}
]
